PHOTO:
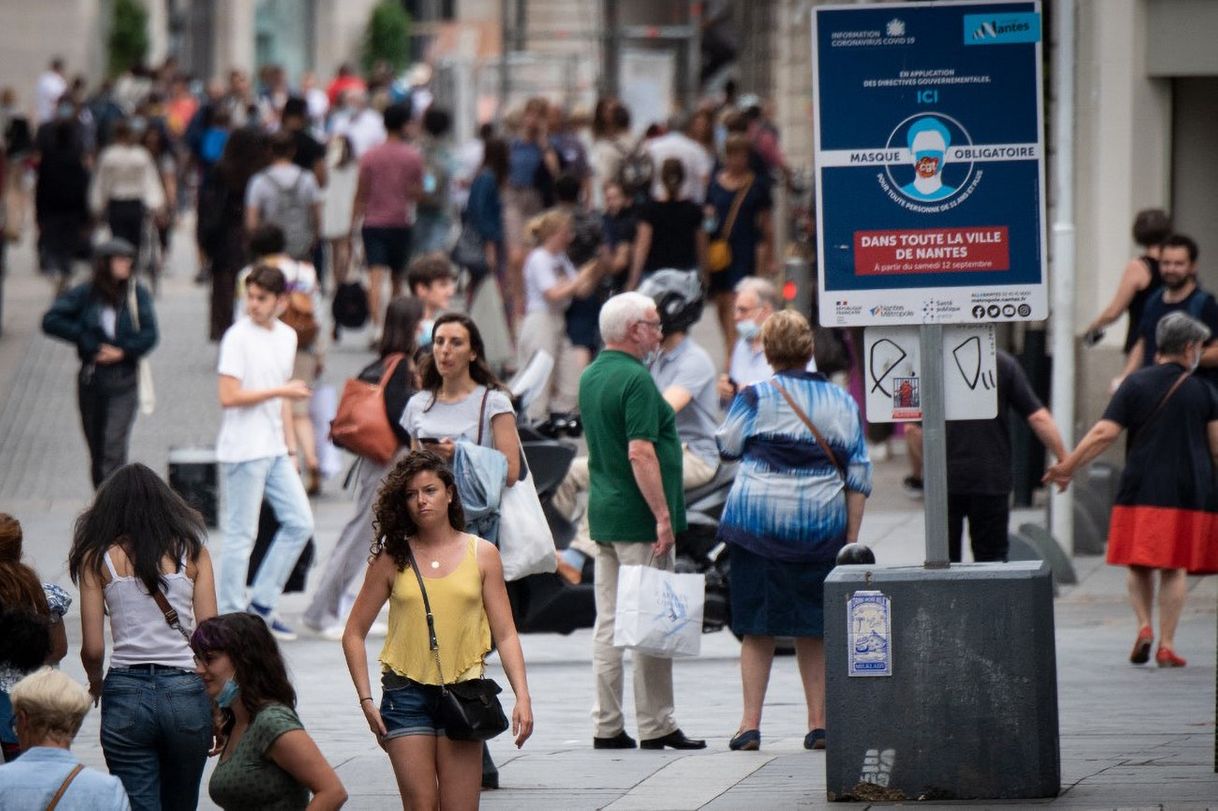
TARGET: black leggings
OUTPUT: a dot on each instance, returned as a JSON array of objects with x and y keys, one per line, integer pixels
[
  {"x": 987, "y": 516},
  {"x": 108, "y": 397}
]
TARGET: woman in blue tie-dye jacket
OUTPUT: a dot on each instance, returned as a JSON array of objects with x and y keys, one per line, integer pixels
[{"x": 797, "y": 499}]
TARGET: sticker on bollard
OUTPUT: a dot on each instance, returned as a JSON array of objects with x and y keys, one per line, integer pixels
[{"x": 869, "y": 629}]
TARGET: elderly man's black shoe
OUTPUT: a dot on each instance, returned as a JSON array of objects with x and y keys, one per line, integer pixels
[
  {"x": 674, "y": 740},
  {"x": 618, "y": 741}
]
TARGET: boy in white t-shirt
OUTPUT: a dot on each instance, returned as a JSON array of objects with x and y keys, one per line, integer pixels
[{"x": 255, "y": 447}]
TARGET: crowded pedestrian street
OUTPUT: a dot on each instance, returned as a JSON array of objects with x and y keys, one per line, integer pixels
[
  {"x": 1130, "y": 737},
  {"x": 608, "y": 404}
]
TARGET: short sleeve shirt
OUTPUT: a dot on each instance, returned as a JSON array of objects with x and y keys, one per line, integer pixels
[
  {"x": 979, "y": 451},
  {"x": 543, "y": 270},
  {"x": 427, "y": 417},
  {"x": 618, "y": 402},
  {"x": 688, "y": 366},
  {"x": 390, "y": 174},
  {"x": 248, "y": 778},
  {"x": 674, "y": 234},
  {"x": 259, "y": 358},
  {"x": 1199, "y": 304}
]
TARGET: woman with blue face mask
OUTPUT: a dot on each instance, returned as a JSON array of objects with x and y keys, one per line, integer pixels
[
  {"x": 267, "y": 759},
  {"x": 139, "y": 538}
]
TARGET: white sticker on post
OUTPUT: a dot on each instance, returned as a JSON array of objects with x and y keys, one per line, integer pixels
[{"x": 869, "y": 634}]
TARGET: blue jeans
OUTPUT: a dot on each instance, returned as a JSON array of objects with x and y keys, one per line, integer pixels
[
  {"x": 155, "y": 733},
  {"x": 245, "y": 483}
]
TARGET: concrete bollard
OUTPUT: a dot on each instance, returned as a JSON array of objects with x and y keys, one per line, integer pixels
[{"x": 954, "y": 695}]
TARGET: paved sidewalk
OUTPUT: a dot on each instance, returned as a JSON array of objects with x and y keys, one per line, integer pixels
[{"x": 1130, "y": 736}]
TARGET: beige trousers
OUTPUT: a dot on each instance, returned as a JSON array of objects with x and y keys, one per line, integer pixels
[
  {"x": 653, "y": 706},
  {"x": 695, "y": 472}
]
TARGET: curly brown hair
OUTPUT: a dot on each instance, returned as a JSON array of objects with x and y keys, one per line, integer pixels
[{"x": 392, "y": 525}]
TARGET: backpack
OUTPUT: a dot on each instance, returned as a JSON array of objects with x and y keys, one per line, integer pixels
[
  {"x": 291, "y": 213},
  {"x": 636, "y": 171},
  {"x": 301, "y": 316},
  {"x": 350, "y": 308}
]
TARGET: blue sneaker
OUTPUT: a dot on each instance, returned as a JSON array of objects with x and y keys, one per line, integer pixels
[{"x": 279, "y": 629}]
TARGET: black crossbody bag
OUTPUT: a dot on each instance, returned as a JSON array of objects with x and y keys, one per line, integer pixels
[{"x": 469, "y": 710}]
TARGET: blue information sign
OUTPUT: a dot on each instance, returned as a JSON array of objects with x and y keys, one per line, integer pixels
[{"x": 930, "y": 163}]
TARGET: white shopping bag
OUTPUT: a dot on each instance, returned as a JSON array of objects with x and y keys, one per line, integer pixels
[
  {"x": 659, "y": 612},
  {"x": 525, "y": 544}
]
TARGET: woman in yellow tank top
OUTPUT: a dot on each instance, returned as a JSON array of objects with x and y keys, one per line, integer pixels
[{"x": 418, "y": 510}]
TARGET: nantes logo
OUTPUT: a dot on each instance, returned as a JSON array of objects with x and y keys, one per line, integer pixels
[{"x": 1001, "y": 29}]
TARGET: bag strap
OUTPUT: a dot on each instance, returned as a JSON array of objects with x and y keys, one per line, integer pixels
[
  {"x": 799, "y": 412},
  {"x": 431, "y": 622},
  {"x": 171, "y": 614},
  {"x": 67, "y": 781},
  {"x": 133, "y": 305},
  {"x": 482, "y": 413},
  {"x": 391, "y": 365},
  {"x": 1185, "y": 375},
  {"x": 730, "y": 223}
]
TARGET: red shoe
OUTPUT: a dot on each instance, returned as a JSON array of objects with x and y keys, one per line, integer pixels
[
  {"x": 1140, "y": 654},
  {"x": 1166, "y": 657}
]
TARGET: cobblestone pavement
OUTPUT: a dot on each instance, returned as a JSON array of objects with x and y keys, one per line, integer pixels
[{"x": 1130, "y": 737}]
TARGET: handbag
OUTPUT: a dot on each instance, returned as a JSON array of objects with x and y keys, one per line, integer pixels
[
  {"x": 147, "y": 394},
  {"x": 361, "y": 424},
  {"x": 468, "y": 252},
  {"x": 659, "y": 612},
  {"x": 820, "y": 440},
  {"x": 350, "y": 307},
  {"x": 469, "y": 710},
  {"x": 719, "y": 251},
  {"x": 526, "y": 545}
]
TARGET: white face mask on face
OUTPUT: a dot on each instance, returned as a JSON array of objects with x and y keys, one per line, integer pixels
[{"x": 748, "y": 329}]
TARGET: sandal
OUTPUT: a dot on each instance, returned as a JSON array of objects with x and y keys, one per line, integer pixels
[{"x": 815, "y": 739}]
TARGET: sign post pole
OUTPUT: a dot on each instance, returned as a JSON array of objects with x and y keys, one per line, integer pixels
[{"x": 934, "y": 445}]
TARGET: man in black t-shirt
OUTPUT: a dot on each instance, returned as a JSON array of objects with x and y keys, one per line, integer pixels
[
  {"x": 1180, "y": 292},
  {"x": 979, "y": 465}
]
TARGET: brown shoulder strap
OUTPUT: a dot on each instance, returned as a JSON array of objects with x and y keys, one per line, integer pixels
[
  {"x": 391, "y": 365},
  {"x": 730, "y": 222},
  {"x": 799, "y": 412},
  {"x": 67, "y": 781},
  {"x": 171, "y": 614}
]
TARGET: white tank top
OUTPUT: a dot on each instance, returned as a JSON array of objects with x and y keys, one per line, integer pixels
[{"x": 141, "y": 635}]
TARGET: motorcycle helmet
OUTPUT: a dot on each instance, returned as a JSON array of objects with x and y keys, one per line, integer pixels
[{"x": 678, "y": 296}]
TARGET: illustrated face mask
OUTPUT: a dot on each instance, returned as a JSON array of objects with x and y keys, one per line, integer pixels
[{"x": 927, "y": 164}]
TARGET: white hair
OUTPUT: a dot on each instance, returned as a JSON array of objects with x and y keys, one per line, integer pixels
[
  {"x": 620, "y": 313},
  {"x": 764, "y": 289}
]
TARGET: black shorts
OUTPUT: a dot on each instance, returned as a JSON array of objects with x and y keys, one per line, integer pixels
[{"x": 387, "y": 247}]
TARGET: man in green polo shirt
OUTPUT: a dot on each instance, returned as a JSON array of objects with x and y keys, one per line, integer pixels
[{"x": 636, "y": 504}]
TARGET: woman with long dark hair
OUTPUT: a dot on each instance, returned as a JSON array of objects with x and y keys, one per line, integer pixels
[
  {"x": 419, "y": 514},
  {"x": 222, "y": 219},
  {"x": 111, "y": 321},
  {"x": 61, "y": 206},
  {"x": 484, "y": 211},
  {"x": 398, "y": 345},
  {"x": 460, "y": 397},
  {"x": 137, "y": 540},
  {"x": 267, "y": 759}
]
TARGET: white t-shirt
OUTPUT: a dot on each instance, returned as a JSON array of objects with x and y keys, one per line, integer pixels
[
  {"x": 696, "y": 160},
  {"x": 543, "y": 270},
  {"x": 261, "y": 359}
]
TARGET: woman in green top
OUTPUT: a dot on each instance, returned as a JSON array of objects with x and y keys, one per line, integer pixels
[{"x": 267, "y": 760}]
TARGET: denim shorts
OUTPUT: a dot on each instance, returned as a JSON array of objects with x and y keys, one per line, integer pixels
[
  {"x": 387, "y": 247},
  {"x": 409, "y": 708}
]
